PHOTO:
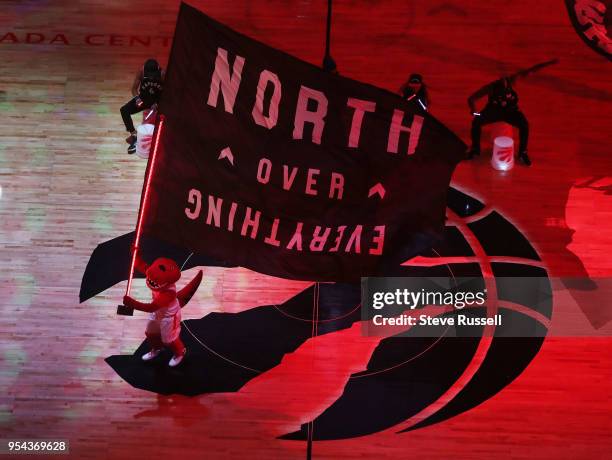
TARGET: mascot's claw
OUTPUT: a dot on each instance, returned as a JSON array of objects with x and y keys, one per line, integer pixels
[{"x": 185, "y": 294}]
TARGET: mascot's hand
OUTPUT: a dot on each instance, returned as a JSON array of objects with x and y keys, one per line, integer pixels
[{"x": 140, "y": 306}]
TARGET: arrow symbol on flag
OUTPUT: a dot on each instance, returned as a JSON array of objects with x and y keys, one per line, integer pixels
[
  {"x": 227, "y": 153},
  {"x": 378, "y": 188}
]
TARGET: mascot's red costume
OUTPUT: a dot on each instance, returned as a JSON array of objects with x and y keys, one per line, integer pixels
[{"x": 164, "y": 325}]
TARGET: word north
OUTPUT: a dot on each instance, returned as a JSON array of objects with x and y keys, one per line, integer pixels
[{"x": 311, "y": 107}]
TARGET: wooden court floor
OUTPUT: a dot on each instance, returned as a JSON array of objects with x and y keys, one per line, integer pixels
[{"x": 66, "y": 185}]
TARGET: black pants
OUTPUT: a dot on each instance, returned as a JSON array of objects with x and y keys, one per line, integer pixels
[
  {"x": 135, "y": 105},
  {"x": 491, "y": 115}
]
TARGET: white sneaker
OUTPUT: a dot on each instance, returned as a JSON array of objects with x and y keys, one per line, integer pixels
[
  {"x": 176, "y": 360},
  {"x": 150, "y": 355}
]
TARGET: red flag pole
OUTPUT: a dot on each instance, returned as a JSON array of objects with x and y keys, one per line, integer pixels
[{"x": 141, "y": 212}]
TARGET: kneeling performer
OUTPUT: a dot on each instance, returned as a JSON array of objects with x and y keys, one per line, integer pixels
[{"x": 502, "y": 105}]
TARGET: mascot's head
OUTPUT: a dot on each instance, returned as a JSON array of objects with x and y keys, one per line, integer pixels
[{"x": 162, "y": 273}]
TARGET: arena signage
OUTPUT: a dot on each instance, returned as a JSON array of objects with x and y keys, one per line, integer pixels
[{"x": 94, "y": 39}]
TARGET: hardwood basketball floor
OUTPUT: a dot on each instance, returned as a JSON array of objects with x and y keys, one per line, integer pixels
[{"x": 66, "y": 185}]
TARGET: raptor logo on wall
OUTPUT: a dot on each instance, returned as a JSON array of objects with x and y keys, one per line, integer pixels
[{"x": 592, "y": 20}]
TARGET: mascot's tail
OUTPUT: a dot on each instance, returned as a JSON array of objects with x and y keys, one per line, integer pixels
[{"x": 185, "y": 294}]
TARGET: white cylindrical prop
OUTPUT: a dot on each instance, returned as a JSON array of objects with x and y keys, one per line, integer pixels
[
  {"x": 503, "y": 153},
  {"x": 144, "y": 135}
]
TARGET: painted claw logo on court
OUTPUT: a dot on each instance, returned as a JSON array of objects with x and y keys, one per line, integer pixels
[
  {"x": 592, "y": 20},
  {"x": 410, "y": 381}
]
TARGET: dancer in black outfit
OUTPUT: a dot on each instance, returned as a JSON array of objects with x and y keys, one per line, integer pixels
[
  {"x": 502, "y": 105},
  {"x": 415, "y": 91},
  {"x": 146, "y": 89}
]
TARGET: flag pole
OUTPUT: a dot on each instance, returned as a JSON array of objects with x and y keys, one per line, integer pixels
[
  {"x": 315, "y": 306},
  {"x": 328, "y": 29},
  {"x": 122, "y": 309},
  {"x": 315, "y": 333}
]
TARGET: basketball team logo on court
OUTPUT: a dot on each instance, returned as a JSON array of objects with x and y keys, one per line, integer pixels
[
  {"x": 410, "y": 381},
  {"x": 592, "y": 20}
]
